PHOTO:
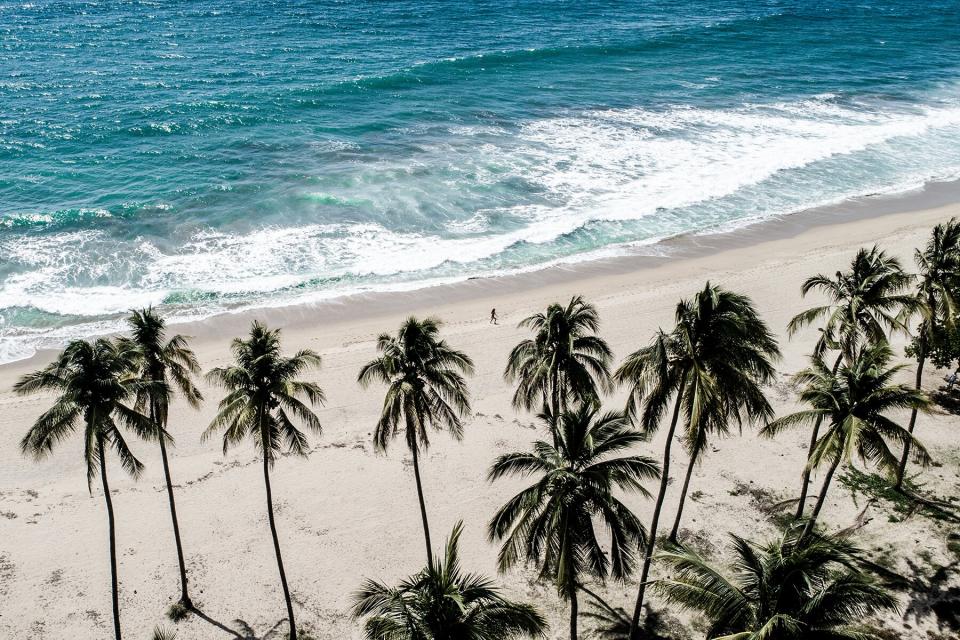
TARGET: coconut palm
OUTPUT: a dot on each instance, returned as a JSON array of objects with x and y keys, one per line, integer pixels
[
  {"x": 94, "y": 384},
  {"x": 444, "y": 603},
  {"x": 855, "y": 402},
  {"x": 793, "y": 588},
  {"x": 938, "y": 278},
  {"x": 864, "y": 303},
  {"x": 551, "y": 522},
  {"x": 565, "y": 360},
  {"x": 729, "y": 352},
  {"x": 264, "y": 396},
  {"x": 425, "y": 388},
  {"x": 712, "y": 363},
  {"x": 171, "y": 364}
]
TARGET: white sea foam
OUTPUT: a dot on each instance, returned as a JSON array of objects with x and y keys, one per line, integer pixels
[{"x": 664, "y": 172}]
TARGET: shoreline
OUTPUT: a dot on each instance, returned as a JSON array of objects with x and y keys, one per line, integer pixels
[{"x": 687, "y": 246}]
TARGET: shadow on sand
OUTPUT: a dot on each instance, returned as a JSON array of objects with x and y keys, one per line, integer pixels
[
  {"x": 243, "y": 631},
  {"x": 934, "y": 594}
]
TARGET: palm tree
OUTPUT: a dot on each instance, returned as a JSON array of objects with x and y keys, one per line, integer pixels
[
  {"x": 793, "y": 588},
  {"x": 425, "y": 388},
  {"x": 938, "y": 277},
  {"x": 855, "y": 402},
  {"x": 864, "y": 304},
  {"x": 444, "y": 603},
  {"x": 94, "y": 382},
  {"x": 564, "y": 360},
  {"x": 264, "y": 394},
  {"x": 729, "y": 352},
  {"x": 552, "y": 521},
  {"x": 170, "y": 364},
  {"x": 713, "y": 362}
]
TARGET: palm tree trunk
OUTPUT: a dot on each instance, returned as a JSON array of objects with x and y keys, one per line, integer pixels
[
  {"x": 821, "y": 498},
  {"x": 555, "y": 408},
  {"x": 113, "y": 540},
  {"x": 423, "y": 506},
  {"x": 184, "y": 595},
  {"x": 276, "y": 546},
  {"x": 652, "y": 533},
  {"x": 901, "y": 470},
  {"x": 573, "y": 614},
  {"x": 686, "y": 485},
  {"x": 813, "y": 442}
]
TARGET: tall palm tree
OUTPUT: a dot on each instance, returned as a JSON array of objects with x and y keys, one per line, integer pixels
[
  {"x": 94, "y": 383},
  {"x": 552, "y": 521},
  {"x": 712, "y": 363},
  {"x": 729, "y": 352},
  {"x": 425, "y": 388},
  {"x": 855, "y": 402},
  {"x": 938, "y": 279},
  {"x": 444, "y": 603},
  {"x": 171, "y": 364},
  {"x": 264, "y": 395},
  {"x": 864, "y": 303},
  {"x": 793, "y": 588},
  {"x": 565, "y": 360}
]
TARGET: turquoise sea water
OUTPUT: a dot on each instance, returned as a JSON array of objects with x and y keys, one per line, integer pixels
[{"x": 212, "y": 155}]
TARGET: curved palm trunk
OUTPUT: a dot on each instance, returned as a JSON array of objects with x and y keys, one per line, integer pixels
[
  {"x": 805, "y": 486},
  {"x": 805, "y": 483},
  {"x": 652, "y": 533},
  {"x": 901, "y": 470},
  {"x": 113, "y": 541},
  {"x": 184, "y": 595},
  {"x": 276, "y": 546},
  {"x": 694, "y": 456},
  {"x": 423, "y": 506},
  {"x": 820, "y": 499}
]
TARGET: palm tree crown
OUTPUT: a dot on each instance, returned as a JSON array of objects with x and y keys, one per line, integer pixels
[
  {"x": 551, "y": 522},
  {"x": 938, "y": 275},
  {"x": 864, "y": 302},
  {"x": 793, "y": 588},
  {"x": 95, "y": 383},
  {"x": 264, "y": 394},
  {"x": 170, "y": 362},
  {"x": 564, "y": 360},
  {"x": 718, "y": 356},
  {"x": 425, "y": 383},
  {"x": 444, "y": 603}
]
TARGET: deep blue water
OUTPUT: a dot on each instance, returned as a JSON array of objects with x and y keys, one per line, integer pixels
[{"x": 207, "y": 155}]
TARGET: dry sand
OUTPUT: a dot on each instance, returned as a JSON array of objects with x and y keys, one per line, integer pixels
[{"x": 346, "y": 513}]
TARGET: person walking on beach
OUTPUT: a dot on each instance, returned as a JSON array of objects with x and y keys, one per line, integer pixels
[{"x": 493, "y": 316}]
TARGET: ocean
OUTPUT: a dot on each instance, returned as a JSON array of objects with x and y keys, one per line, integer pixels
[{"x": 212, "y": 156}]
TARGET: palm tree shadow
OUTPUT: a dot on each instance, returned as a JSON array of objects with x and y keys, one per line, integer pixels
[
  {"x": 933, "y": 595},
  {"x": 613, "y": 623},
  {"x": 242, "y": 630},
  {"x": 947, "y": 399}
]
